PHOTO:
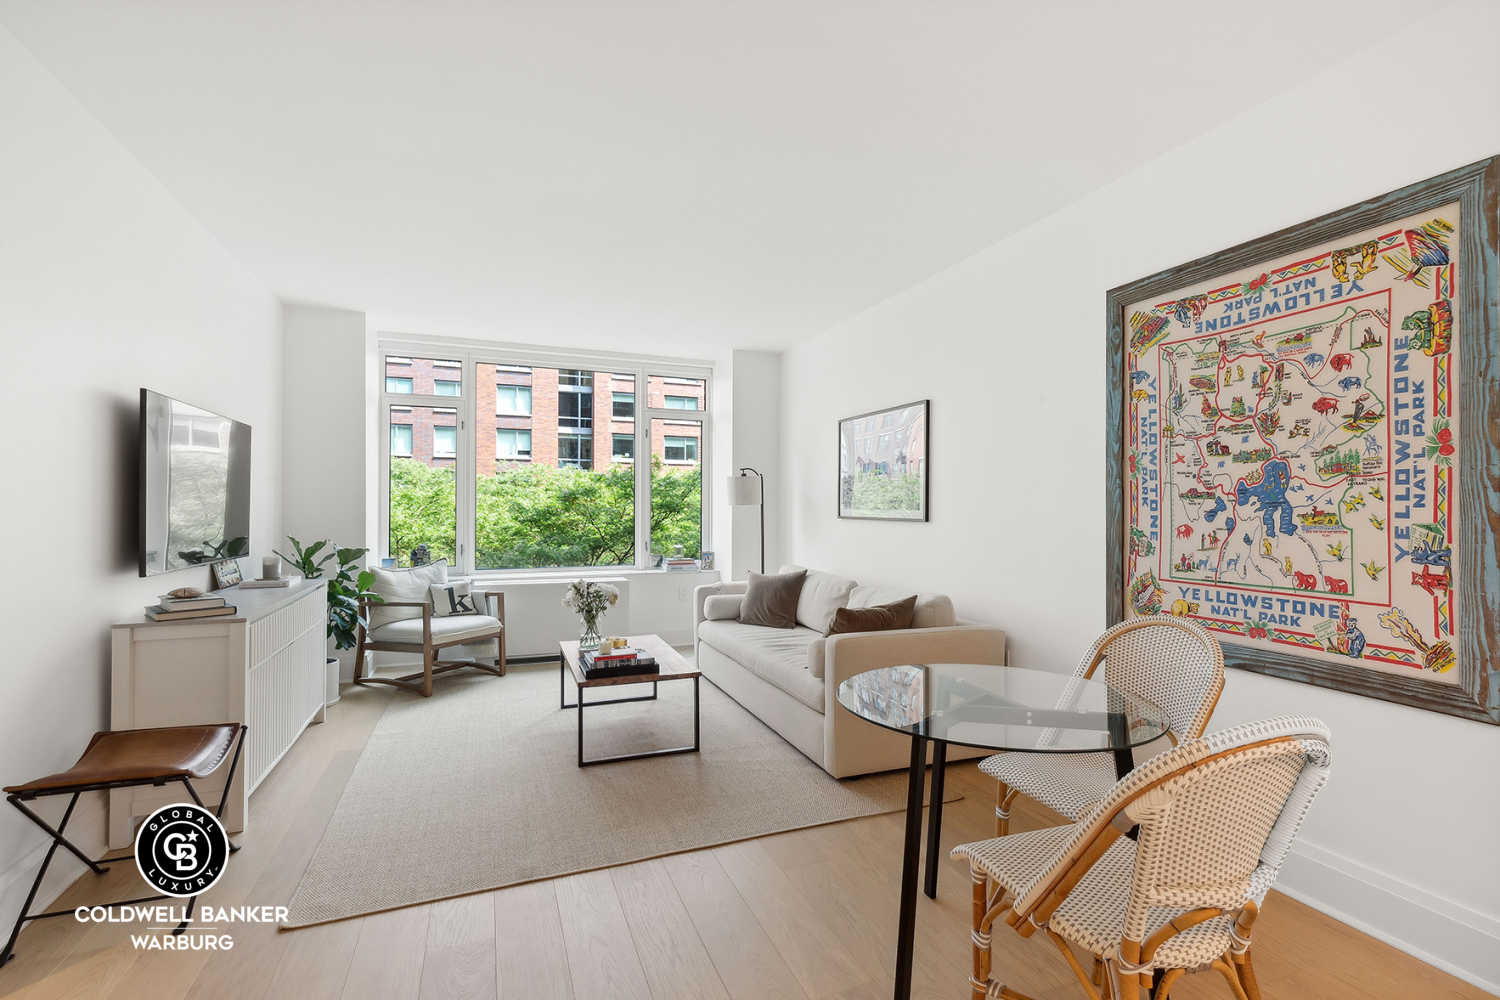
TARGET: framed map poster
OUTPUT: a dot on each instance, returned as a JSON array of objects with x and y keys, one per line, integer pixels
[{"x": 1302, "y": 448}]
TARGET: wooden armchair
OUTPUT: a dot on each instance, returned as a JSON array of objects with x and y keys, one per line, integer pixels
[{"x": 427, "y": 634}]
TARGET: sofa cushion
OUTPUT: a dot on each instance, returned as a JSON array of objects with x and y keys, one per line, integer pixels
[
  {"x": 822, "y": 595},
  {"x": 443, "y": 629},
  {"x": 771, "y": 601},
  {"x": 932, "y": 610},
  {"x": 815, "y": 650},
  {"x": 722, "y": 607},
  {"x": 777, "y": 656},
  {"x": 405, "y": 585},
  {"x": 881, "y": 618}
]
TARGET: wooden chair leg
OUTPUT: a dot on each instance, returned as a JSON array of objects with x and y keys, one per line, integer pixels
[
  {"x": 428, "y": 656},
  {"x": 1226, "y": 968},
  {"x": 1247, "y": 976},
  {"x": 1004, "y": 796},
  {"x": 1164, "y": 988},
  {"x": 979, "y": 983}
]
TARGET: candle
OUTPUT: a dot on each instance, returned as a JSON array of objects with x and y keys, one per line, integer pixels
[{"x": 270, "y": 568}]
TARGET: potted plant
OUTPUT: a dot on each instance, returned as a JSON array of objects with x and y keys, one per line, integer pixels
[{"x": 346, "y": 588}]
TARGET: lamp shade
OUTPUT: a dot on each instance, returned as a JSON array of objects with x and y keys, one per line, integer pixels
[{"x": 745, "y": 491}]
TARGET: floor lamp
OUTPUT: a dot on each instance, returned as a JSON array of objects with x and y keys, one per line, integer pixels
[{"x": 747, "y": 489}]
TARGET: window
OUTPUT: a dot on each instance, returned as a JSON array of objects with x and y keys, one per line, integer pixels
[
  {"x": 512, "y": 444},
  {"x": 540, "y": 484},
  {"x": 512, "y": 399},
  {"x": 889, "y": 420},
  {"x": 885, "y": 442},
  {"x": 575, "y": 451},
  {"x": 681, "y": 449}
]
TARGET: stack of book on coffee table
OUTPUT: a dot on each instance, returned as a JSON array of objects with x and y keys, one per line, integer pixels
[
  {"x": 621, "y": 661},
  {"x": 174, "y": 608}
]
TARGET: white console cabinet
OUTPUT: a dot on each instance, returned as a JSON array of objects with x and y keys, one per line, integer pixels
[{"x": 262, "y": 666}]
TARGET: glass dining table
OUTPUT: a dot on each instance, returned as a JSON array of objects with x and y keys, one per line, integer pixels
[{"x": 992, "y": 708}]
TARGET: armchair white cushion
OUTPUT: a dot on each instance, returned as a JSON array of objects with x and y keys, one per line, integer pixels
[
  {"x": 453, "y": 628},
  {"x": 405, "y": 585}
]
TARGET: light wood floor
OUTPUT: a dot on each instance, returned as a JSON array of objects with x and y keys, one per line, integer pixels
[{"x": 802, "y": 915}]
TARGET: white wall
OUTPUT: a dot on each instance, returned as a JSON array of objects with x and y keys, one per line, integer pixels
[
  {"x": 757, "y": 445},
  {"x": 109, "y": 285},
  {"x": 1402, "y": 841}
]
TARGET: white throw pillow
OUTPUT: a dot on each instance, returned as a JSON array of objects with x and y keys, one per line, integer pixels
[
  {"x": 452, "y": 599},
  {"x": 405, "y": 585},
  {"x": 822, "y": 595}
]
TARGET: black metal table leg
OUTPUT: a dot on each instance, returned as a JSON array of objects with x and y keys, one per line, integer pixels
[
  {"x": 935, "y": 815},
  {"x": 906, "y": 928}
]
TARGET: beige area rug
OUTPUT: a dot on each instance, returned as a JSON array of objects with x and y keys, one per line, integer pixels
[{"x": 479, "y": 788}]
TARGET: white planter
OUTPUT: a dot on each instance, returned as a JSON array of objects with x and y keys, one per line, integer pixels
[{"x": 332, "y": 694}]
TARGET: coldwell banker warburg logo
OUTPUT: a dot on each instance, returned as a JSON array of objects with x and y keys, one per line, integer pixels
[{"x": 181, "y": 850}]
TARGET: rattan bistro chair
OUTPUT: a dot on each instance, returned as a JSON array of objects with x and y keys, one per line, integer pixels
[
  {"x": 425, "y": 635},
  {"x": 1172, "y": 663},
  {"x": 1217, "y": 816}
]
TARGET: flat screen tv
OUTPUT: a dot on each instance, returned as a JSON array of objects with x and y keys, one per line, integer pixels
[{"x": 195, "y": 485}]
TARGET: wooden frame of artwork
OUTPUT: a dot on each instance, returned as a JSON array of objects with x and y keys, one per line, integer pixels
[
  {"x": 895, "y": 446},
  {"x": 1302, "y": 452}
]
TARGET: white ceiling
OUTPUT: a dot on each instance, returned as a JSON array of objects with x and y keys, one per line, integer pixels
[{"x": 676, "y": 178}]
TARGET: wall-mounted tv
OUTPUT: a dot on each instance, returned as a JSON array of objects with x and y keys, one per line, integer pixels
[{"x": 195, "y": 485}]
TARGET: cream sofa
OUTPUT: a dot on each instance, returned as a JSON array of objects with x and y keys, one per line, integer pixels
[{"x": 788, "y": 678}]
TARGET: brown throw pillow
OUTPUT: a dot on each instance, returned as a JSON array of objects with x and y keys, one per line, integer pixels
[
  {"x": 881, "y": 618},
  {"x": 772, "y": 600}
]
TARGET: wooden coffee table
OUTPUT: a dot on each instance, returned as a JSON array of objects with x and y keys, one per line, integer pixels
[{"x": 672, "y": 666}]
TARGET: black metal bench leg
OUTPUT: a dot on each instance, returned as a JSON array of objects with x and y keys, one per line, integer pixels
[{"x": 57, "y": 838}]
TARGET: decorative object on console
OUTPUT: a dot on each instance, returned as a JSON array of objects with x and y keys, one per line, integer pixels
[
  {"x": 1299, "y": 453},
  {"x": 748, "y": 489},
  {"x": 270, "y": 568},
  {"x": 883, "y": 464},
  {"x": 771, "y": 601},
  {"x": 225, "y": 573},
  {"x": 184, "y": 593},
  {"x": 452, "y": 599},
  {"x": 284, "y": 581},
  {"x": 880, "y": 618},
  {"x": 706, "y": 560},
  {"x": 590, "y": 600}
]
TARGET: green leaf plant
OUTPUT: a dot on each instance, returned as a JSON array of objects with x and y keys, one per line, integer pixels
[{"x": 346, "y": 588}]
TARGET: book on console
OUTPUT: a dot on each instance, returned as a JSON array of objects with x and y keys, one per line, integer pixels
[
  {"x": 169, "y": 603},
  {"x": 157, "y": 613},
  {"x": 284, "y": 581}
]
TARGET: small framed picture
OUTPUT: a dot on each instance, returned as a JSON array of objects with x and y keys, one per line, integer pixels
[
  {"x": 706, "y": 560},
  {"x": 883, "y": 464},
  {"x": 225, "y": 573}
]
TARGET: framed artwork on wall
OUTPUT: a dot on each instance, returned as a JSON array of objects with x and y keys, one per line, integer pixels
[
  {"x": 1301, "y": 447},
  {"x": 883, "y": 464}
]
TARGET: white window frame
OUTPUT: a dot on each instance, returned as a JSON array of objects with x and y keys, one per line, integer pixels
[
  {"x": 514, "y": 431},
  {"x": 441, "y": 427},
  {"x": 471, "y": 354},
  {"x": 512, "y": 413}
]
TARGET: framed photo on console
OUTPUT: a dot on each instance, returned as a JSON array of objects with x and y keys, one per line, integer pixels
[
  {"x": 883, "y": 464},
  {"x": 1301, "y": 447},
  {"x": 224, "y": 573}
]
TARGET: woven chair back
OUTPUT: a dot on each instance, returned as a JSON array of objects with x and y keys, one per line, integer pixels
[
  {"x": 1171, "y": 662},
  {"x": 1217, "y": 815}
]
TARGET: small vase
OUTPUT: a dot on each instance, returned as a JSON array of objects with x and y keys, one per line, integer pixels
[{"x": 588, "y": 636}]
